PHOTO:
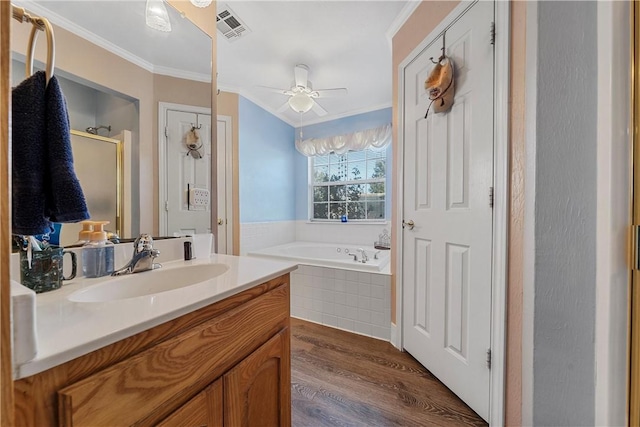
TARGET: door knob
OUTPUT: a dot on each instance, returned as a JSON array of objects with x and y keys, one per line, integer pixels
[
  {"x": 410, "y": 224},
  {"x": 220, "y": 221}
]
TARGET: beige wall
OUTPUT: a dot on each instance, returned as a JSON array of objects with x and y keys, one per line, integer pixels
[
  {"x": 425, "y": 18},
  {"x": 87, "y": 61},
  {"x": 228, "y": 106}
]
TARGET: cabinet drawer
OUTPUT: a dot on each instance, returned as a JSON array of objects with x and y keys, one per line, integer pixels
[{"x": 147, "y": 387}]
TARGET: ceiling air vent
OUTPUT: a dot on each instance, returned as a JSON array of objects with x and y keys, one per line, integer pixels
[{"x": 229, "y": 25}]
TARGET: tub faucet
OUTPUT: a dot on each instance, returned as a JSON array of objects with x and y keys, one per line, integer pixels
[
  {"x": 365, "y": 258},
  {"x": 143, "y": 256}
]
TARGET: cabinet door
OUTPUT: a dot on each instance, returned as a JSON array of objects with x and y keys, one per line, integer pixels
[
  {"x": 204, "y": 410},
  {"x": 257, "y": 391}
]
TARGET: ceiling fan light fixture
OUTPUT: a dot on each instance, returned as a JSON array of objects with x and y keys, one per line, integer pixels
[
  {"x": 300, "y": 103},
  {"x": 156, "y": 16},
  {"x": 201, "y": 3}
]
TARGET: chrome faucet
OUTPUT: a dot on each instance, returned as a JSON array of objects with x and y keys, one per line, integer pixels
[
  {"x": 143, "y": 256},
  {"x": 365, "y": 258}
]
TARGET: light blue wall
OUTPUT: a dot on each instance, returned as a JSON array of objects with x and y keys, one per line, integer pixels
[
  {"x": 342, "y": 126},
  {"x": 267, "y": 152}
]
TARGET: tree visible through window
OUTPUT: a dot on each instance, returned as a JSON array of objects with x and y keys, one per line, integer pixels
[{"x": 351, "y": 184}]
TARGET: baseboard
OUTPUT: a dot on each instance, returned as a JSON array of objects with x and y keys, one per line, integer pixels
[{"x": 395, "y": 337}]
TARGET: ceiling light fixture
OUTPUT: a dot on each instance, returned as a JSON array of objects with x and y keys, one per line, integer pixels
[
  {"x": 300, "y": 103},
  {"x": 201, "y": 3},
  {"x": 156, "y": 16}
]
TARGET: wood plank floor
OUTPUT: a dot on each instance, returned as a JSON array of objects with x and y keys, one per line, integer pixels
[{"x": 344, "y": 379}]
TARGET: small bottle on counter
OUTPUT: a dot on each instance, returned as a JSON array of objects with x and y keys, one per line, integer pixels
[{"x": 98, "y": 253}]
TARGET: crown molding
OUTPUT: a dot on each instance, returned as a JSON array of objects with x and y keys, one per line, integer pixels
[
  {"x": 345, "y": 114},
  {"x": 402, "y": 17},
  {"x": 182, "y": 74}
]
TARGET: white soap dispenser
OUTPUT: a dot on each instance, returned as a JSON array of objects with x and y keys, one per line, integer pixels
[{"x": 98, "y": 253}]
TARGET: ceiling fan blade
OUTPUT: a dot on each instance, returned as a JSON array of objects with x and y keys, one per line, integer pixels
[
  {"x": 283, "y": 107},
  {"x": 327, "y": 93},
  {"x": 277, "y": 90},
  {"x": 301, "y": 73},
  {"x": 317, "y": 108}
]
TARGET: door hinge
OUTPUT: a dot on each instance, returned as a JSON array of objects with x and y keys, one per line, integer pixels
[
  {"x": 166, "y": 205},
  {"x": 488, "y": 358},
  {"x": 493, "y": 33},
  {"x": 166, "y": 131},
  {"x": 634, "y": 247},
  {"x": 490, "y": 197}
]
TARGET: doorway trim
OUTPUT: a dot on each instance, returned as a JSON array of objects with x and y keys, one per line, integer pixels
[
  {"x": 502, "y": 19},
  {"x": 163, "y": 107}
]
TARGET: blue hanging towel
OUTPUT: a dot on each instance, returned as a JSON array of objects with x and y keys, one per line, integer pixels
[
  {"x": 65, "y": 200},
  {"x": 44, "y": 185}
]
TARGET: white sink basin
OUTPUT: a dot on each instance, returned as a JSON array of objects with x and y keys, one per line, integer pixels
[{"x": 148, "y": 283}]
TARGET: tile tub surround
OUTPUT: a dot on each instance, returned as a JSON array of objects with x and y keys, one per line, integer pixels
[
  {"x": 349, "y": 300},
  {"x": 260, "y": 235}
]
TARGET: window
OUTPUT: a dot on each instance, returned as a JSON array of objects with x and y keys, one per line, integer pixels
[{"x": 351, "y": 184}]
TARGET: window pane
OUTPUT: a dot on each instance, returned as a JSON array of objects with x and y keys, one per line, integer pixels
[
  {"x": 375, "y": 210},
  {"x": 357, "y": 170},
  {"x": 337, "y": 158},
  {"x": 321, "y": 174},
  {"x": 320, "y": 160},
  {"x": 356, "y": 210},
  {"x": 354, "y": 192},
  {"x": 376, "y": 169},
  {"x": 357, "y": 155},
  {"x": 337, "y": 193},
  {"x": 338, "y": 172},
  {"x": 375, "y": 191},
  {"x": 336, "y": 210},
  {"x": 376, "y": 154},
  {"x": 320, "y": 210},
  {"x": 320, "y": 194}
]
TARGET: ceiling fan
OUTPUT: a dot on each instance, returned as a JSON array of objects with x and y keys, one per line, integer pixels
[{"x": 302, "y": 96}]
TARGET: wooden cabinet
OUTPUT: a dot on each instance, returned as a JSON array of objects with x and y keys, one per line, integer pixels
[
  {"x": 226, "y": 364},
  {"x": 204, "y": 410},
  {"x": 257, "y": 392}
]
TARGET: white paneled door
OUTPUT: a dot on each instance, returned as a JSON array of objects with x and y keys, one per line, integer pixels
[
  {"x": 187, "y": 170},
  {"x": 448, "y": 179},
  {"x": 225, "y": 190}
]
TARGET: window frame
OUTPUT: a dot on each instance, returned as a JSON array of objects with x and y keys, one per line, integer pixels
[{"x": 311, "y": 184}]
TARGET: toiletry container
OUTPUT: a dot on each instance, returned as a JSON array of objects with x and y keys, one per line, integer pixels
[
  {"x": 98, "y": 253},
  {"x": 84, "y": 236}
]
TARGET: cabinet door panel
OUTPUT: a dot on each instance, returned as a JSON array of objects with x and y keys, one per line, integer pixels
[
  {"x": 257, "y": 391},
  {"x": 204, "y": 410}
]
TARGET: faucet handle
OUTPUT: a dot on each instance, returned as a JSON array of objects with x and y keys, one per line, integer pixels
[{"x": 144, "y": 242}]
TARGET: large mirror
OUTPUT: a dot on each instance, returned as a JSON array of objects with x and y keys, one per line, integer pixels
[{"x": 115, "y": 71}]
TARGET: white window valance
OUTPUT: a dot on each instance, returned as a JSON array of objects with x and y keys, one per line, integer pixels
[{"x": 376, "y": 139}]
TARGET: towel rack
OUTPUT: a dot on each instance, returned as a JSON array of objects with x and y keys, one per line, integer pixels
[{"x": 38, "y": 24}]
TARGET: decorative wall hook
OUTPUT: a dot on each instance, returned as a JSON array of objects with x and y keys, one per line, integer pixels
[{"x": 443, "y": 49}]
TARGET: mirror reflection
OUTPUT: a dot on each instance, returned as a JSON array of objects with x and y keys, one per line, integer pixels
[{"x": 115, "y": 71}]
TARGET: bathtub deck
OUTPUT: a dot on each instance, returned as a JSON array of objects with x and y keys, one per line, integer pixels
[{"x": 342, "y": 379}]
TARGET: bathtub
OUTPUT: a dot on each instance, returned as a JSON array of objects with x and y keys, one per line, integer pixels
[
  {"x": 331, "y": 289},
  {"x": 329, "y": 255}
]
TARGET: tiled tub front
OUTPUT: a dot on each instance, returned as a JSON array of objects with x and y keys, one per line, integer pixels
[{"x": 354, "y": 301}]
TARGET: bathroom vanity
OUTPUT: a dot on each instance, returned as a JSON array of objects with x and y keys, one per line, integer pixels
[{"x": 214, "y": 353}]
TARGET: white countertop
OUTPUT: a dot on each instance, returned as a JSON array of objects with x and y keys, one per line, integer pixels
[{"x": 66, "y": 330}]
